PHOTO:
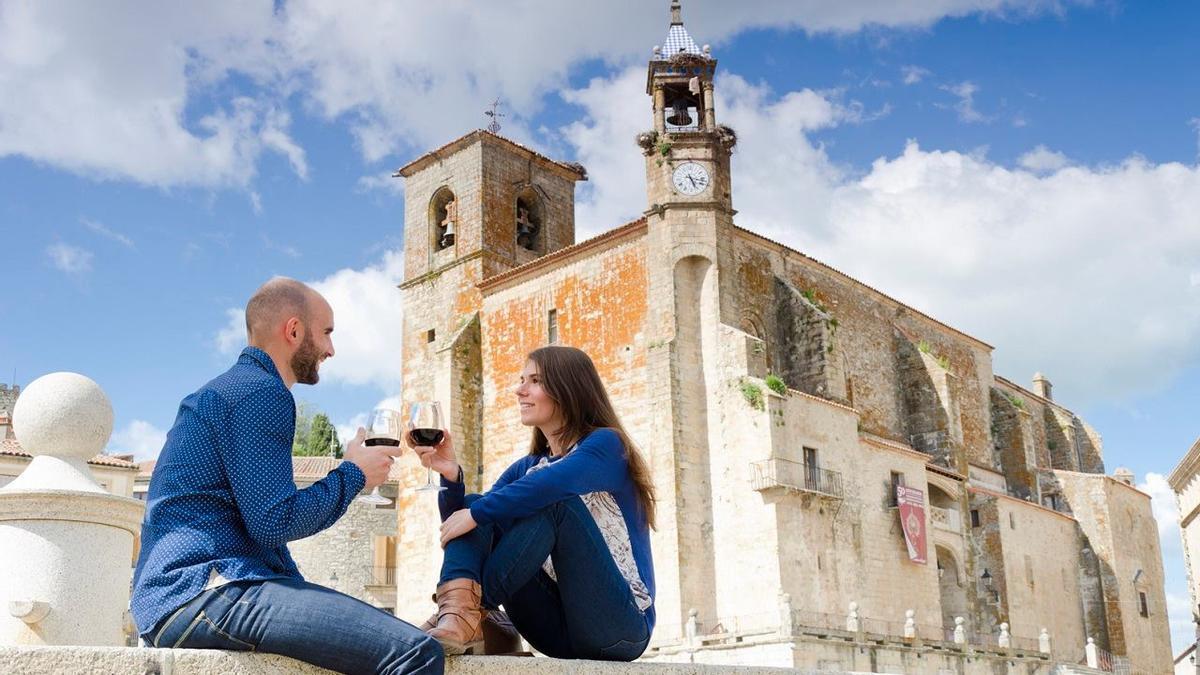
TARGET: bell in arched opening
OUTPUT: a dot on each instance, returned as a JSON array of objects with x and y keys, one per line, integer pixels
[
  {"x": 680, "y": 116},
  {"x": 527, "y": 227},
  {"x": 447, "y": 239},
  {"x": 443, "y": 217}
]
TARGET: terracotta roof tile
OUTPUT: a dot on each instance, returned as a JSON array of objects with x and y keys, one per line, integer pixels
[
  {"x": 315, "y": 468},
  {"x": 12, "y": 448},
  {"x": 146, "y": 468}
]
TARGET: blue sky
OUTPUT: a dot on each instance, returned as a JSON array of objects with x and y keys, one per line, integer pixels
[{"x": 1025, "y": 170}]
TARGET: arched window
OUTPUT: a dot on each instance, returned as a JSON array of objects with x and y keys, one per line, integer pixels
[
  {"x": 529, "y": 218},
  {"x": 443, "y": 219}
]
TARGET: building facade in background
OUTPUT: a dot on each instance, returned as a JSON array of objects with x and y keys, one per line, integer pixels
[
  {"x": 781, "y": 404},
  {"x": 1185, "y": 482}
]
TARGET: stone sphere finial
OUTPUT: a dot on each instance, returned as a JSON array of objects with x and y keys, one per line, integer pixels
[{"x": 63, "y": 415}]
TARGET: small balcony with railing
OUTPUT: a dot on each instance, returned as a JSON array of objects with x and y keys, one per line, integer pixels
[
  {"x": 949, "y": 520},
  {"x": 783, "y": 475},
  {"x": 383, "y": 576}
]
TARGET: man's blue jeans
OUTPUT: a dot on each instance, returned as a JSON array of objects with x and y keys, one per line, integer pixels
[
  {"x": 304, "y": 621},
  {"x": 589, "y": 613}
]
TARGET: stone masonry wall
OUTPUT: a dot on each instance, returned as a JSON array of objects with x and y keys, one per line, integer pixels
[
  {"x": 344, "y": 556},
  {"x": 867, "y": 322},
  {"x": 1040, "y": 548},
  {"x": 1012, "y": 435},
  {"x": 1118, "y": 523},
  {"x": 505, "y": 175},
  {"x": 600, "y": 306}
]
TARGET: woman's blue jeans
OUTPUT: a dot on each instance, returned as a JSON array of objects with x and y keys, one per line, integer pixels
[
  {"x": 589, "y": 613},
  {"x": 304, "y": 621}
]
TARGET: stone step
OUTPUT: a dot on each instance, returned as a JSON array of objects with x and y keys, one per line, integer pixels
[{"x": 139, "y": 661}]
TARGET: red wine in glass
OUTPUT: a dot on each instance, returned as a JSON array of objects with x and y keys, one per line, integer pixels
[
  {"x": 383, "y": 429},
  {"x": 391, "y": 442},
  {"x": 427, "y": 429},
  {"x": 427, "y": 436}
]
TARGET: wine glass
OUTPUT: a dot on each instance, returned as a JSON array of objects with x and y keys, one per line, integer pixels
[
  {"x": 427, "y": 429},
  {"x": 383, "y": 428}
]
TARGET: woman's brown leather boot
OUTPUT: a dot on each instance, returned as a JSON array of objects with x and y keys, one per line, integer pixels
[{"x": 460, "y": 617}]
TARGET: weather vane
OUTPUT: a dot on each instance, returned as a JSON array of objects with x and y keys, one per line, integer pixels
[{"x": 495, "y": 114}]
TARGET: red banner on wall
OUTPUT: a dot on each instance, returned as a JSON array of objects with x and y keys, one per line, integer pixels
[{"x": 912, "y": 519}]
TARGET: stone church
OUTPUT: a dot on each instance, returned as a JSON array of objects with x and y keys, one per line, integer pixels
[{"x": 781, "y": 404}]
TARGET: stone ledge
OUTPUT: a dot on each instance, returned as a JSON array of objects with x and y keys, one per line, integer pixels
[{"x": 138, "y": 661}]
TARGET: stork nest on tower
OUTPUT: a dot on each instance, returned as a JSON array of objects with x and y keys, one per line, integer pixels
[
  {"x": 726, "y": 135},
  {"x": 581, "y": 169},
  {"x": 687, "y": 59}
]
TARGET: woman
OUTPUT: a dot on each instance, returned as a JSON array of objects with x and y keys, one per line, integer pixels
[{"x": 562, "y": 539}]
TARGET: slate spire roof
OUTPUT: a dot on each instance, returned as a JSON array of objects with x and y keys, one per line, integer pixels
[{"x": 678, "y": 40}]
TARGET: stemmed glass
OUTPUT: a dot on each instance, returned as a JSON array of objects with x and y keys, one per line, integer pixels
[
  {"x": 427, "y": 429},
  {"x": 383, "y": 428}
]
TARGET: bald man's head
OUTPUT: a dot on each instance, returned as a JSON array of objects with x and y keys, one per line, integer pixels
[
  {"x": 273, "y": 304},
  {"x": 293, "y": 324}
]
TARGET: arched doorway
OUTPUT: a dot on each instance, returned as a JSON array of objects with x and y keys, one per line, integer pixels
[{"x": 952, "y": 591}]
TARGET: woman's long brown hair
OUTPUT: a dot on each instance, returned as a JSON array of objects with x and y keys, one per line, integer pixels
[{"x": 569, "y": 378}]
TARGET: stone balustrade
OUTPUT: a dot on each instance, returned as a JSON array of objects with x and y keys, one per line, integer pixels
[{"x": 949, "y": 520}]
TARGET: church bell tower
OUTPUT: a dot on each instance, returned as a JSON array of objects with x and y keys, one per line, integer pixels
[
  {"x": 688, "y": 224},
  {"x": 687, "y": 152}
]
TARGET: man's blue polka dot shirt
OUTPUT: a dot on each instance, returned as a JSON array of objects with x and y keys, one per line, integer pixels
[{"x": 222, "y": 499}]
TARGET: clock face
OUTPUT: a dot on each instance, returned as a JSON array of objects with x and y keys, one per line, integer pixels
[{"x": 690, "y": 178}]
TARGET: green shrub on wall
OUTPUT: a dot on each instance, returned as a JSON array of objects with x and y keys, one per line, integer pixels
[
  {"x": 776, "y": 384},
  {"x": 753, "y": 394}
]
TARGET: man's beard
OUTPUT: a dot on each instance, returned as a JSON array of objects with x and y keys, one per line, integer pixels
[{"x": 306, "y": 361}]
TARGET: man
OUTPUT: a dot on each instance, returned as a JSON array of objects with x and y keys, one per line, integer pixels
[{"x": 214, "y": 570}]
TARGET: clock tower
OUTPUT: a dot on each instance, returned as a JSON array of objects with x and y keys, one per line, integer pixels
[
  {"x": 687, "y": 152},
  {"x": 689, "y": 223}
]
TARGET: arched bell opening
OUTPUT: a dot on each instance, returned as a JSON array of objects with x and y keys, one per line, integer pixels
[
  {"x": 443, "y": 219},
  {"x": 530, "y": 221}
]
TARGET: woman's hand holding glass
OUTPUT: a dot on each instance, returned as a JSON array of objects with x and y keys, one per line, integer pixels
[{"x": 439, "y": 458}]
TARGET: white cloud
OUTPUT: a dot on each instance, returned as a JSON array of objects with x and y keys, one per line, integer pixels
[
  {"x": 382, "y": 182},
  {"x": 139, "y": 437},
  {"x": 232, "y": 338},
  {"x": 105, "y": 231},
  {"x": 69, "y": 259},
  {"x": 1166, "y": 512},
  {"x": 604, "y": 142},
  {"x": 368, "y": 322},
  {"x": 348, "y": 428},
  {"x": 122, "y": 91},
  {"x": 914, "y": 74},
  {"x": 1043, "y": 160},
  {"x": 1084, "y": 273},
  {"x": 965, "y": 91},
  {"x": 92, "y": 90},
  {"x": 1164, "y": 507}
]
